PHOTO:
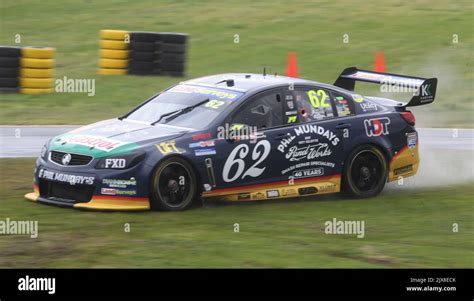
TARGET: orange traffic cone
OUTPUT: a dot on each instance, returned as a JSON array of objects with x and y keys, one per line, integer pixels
[
  {"x": 292, "y": 67},
  {"x": 379, "y": 64}
]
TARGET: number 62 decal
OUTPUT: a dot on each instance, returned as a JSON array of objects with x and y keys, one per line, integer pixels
[{"x": 259, "y": 154}]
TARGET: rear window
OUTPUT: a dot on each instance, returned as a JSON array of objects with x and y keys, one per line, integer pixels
[{"x": 344, "y": 105}]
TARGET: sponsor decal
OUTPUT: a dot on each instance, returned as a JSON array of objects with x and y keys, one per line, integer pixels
[
  {"x": 290, "y": 105},
  {"x": 308, "y": 164},
  {"x": 205, "y": 152},
  {"x": 309, "y": 152},
  {"x": 330, "y": 187},
  {"x": 306, "y": 130},
  {"x": 236, "y": 158},
  {"x": 288, "y": 192},
  {"x": 100, "y": 143},
  {"x": 207, "y": 187},
  {"x": 357, "y": 98},
  {"x": 368, "y": 106},
  {"x": 273, "y": 194},
  {"x": 201, "y": 136},
  {"x": 206, "y": 143},
  {"x": 65, "y": 178},
  {"x": 313, "y": 172},
  {"x": 291, "y": 113},
  {"x": 243, "y": 196},
  {"x": 113, "y": 191},
  {"x": 258, "y": 196},
  {"x": 205, "y": 91},
  {"x": 115, "y": 163},
  {"x": 376, "y": 126},
  {"x": 412, "y": 140},
  {"x": 308, "y": 140},
  {"x": 119, "y": 183},
  {"x": 402, "y": 170},
  {"x": 292, "y": 119},
  {"x": 168, "y": 147}
]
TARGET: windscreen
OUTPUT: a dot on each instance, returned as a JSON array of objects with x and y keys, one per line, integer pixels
[{"x": 182, "y": 96}]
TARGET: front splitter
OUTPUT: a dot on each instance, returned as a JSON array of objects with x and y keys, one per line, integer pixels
[{"x": 100, "y": 203}]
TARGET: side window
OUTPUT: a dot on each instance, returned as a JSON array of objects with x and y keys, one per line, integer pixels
[
  {"x": 313, "y": 103},
  {"x": 263, "y": 111},
  {"x": 344, "y": 105}
]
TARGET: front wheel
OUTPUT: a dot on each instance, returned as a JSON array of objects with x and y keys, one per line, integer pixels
[
  {"x": 173, "y": 185},
  {"x": 365, "y": 172}
]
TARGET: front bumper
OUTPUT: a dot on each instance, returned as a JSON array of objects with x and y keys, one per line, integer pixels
[{"x": 98, "y": 202}]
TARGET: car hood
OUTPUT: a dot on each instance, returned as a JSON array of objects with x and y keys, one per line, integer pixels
[{"x": 113, "y": 137}]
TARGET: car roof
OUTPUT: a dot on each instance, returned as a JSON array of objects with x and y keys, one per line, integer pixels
[{"x": 251, "y": 82}]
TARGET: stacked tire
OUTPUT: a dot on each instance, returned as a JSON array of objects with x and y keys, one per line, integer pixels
[
  {"x": 173, "y": 53},
  {"x": 114, "y": 52},
  {"x": 36, "y": 72},
  {"x": 9, "y": 69},
  {"x": 28, "y": 70},
  {"x": 145, "y": 53}
]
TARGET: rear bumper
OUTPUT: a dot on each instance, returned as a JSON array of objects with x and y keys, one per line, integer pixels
[{"x": 102, "y": 203}]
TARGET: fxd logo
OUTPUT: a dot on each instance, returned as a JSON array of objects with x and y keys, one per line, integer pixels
[
  {"x": 115, "y": 163},
  {"x": 376, "y": 126}
]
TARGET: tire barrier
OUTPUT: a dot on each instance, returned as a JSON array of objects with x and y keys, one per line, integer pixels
[
  {"x": 142, "y": 53},
  {"x": 27, "y": 70}
]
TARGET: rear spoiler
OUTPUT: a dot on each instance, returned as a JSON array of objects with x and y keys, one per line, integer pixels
[{"x": 424, "y": 89}]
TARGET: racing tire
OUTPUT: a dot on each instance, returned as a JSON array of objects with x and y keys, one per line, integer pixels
[
  {"x": 36, "y": 73},
  {"x": 9, "y": 82},
  {"x": 172, "y": 58},
  {"x": 37, "y": 52},
  {"x": 109, "y": 34},
  {"x": 113, "y": 44},
  {"x": 10, "y": 51},
  {"x": 144, "y": 72},
  {"x": 173, "y": 73},
  {"x": 43, "y": 83},
  {"x": 37, "y": 63},
  {"x": 143, "y": 66},
  {"x": 176, "y": 38},
  {"x": 173, "y": 48},
  {"x": 114, "y": 54},
  {"x": 110, "y": 71},
  {"x": 13, "y": 62},
  {"x": 176, "y": 67},
  {"x": 143, "y": 36},
  {"x": 144, "y": 56},
  {"x": 36, "y": 90},
  {"x": 173, "y": 185},
  {"x": 8, "y": 90},
  {"x": 113, "y": 63},
  {"x": 142, "y": 46},
  {"x": 8, "y": 72},
  {"x": 365, "y": 172}
]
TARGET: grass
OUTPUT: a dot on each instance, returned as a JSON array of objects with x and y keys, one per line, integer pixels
[
  {"x": 404, "y": 228},
  {"x": 416, "y": 37}
]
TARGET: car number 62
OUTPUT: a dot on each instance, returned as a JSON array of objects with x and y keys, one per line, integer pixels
[{"x": 259, "y": 154}]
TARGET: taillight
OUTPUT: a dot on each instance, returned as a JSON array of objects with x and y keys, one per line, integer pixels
[{"x": 409, "y": 117}]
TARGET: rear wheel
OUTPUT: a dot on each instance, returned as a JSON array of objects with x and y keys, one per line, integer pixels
[
  {"x": 173, "y": 186},
  {"x": 365, "y": 172}
]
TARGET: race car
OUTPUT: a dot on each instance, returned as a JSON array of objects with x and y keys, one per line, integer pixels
[{"x": 237, "y": 137}]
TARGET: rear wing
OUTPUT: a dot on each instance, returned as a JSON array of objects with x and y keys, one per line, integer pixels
[{"x": 424, "y": 89}]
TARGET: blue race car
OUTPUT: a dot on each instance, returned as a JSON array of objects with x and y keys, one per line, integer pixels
[{"x": 237, "y": 137}]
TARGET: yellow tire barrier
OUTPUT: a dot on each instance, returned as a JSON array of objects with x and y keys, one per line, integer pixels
[
  {"x": 110, "y": 63},
  {"x": 113, "y": 54},
  {"x": 37, "y": 63},
  {"x": 111, "y": 44},
  {"x": 36, "y": 73},
  {"x": 36, "y": 82},
  {"x": 36, "y": 91},
  {"x": 37, "y": 52},
  {"x": 108, "y": 34},
  {"x": 106, "y": 71}
]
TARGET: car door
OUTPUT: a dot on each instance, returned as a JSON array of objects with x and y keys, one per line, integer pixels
[
  {"x": 312, "y": 148},
  {"x": 248, "y": 139}
]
